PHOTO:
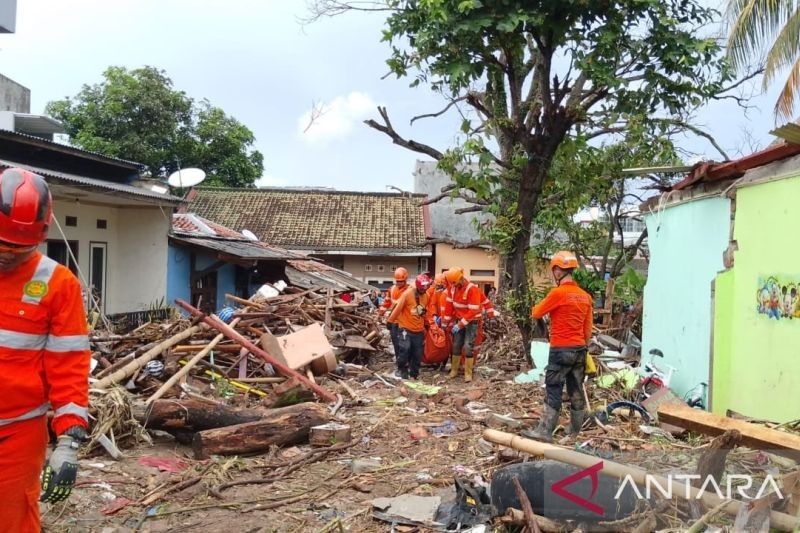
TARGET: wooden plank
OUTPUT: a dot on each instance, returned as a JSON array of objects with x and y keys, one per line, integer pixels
[{"x": 753, "y": 436}]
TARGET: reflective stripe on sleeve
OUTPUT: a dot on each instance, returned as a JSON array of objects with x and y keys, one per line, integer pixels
[
  {"x": 73, "y": 409},
  {"x": 21, "y": 341},
  {"x": 39, "y": 411},
  {"x": 67, "y": 343}
]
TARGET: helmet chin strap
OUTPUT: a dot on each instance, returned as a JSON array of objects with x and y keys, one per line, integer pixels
[{"x": 560, "y": 279}]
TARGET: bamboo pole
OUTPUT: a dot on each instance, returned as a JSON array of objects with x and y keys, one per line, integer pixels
[
  {"x": 639, "y": 476},
  {"x": 188, "y": 366},
  {"x": 131, "y": 368}
]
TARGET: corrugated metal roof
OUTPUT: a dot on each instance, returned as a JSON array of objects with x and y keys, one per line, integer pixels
[
  {"x": 308, "y": 273},
  {"x": 244, "y": 249},
  {"x": 94, "y": 183},
  {"x": 69, "y": 148}
]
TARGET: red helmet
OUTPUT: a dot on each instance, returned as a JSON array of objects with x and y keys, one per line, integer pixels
[
  {"x": 26, "y": 207},
  {"x": 423, "y": 282}
]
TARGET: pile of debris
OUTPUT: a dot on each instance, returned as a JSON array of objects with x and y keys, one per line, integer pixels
[{"x": 269, "y": 353}]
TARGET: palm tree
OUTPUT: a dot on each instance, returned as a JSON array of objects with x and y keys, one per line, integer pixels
[{"x": 771, "y": 26}]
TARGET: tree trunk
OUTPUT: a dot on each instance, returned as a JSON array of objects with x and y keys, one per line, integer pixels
[
  {"x": 292, "y": 426},
  {"x": 194, "y": 415}
]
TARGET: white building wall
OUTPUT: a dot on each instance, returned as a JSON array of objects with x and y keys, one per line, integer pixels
[
  {"x": 136, "y": 241},
  {"x": 140, "y": 276}
]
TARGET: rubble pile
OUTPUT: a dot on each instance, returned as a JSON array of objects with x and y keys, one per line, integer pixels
[{"x": 295, "y": 443}]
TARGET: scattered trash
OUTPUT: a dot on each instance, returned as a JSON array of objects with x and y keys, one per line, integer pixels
[
  {"x": 408, "y": 509},
  {"x": 627, "y": 378},
  {"x": 362, "y": 466},
  {"x": 428, "y": 390},
  {"x": 173, "y": 465},
  {"x": 418, "y": 432},
  {"x": 445, "y": 429},
  {"x": 116, "y": 506}
]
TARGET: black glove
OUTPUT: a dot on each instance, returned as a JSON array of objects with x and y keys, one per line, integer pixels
[{"x": 61, "y": 468}]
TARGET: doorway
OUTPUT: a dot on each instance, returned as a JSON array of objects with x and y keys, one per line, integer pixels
[
  {"x": 98, "y": 253},
  {"x": 204, "y": 292}
]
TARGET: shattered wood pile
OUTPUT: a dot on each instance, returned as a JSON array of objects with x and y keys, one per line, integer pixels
[{"x": 270, "y": 354}]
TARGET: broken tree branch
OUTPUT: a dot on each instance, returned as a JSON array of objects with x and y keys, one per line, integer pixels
[{"x": 409, "y": 144}]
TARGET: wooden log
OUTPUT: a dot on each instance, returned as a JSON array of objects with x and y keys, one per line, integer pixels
[
  {"x": 289, "y": 427},
  {"x": 137, "y": 364},
  {"x": 639, "y": 476},
  {"x": 193, "y": 414},
  {"x": 753, "y": 436}
]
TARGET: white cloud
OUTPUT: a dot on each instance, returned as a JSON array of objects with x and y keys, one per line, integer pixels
[
  {"x": 336, "y": 119},
  {"x": 271, "y": 181}
]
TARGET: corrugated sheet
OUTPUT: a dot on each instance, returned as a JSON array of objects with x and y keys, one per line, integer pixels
[
  {"x": 93, "y": 183},
  {"x": 249, "y": 250},
  {"x": 65, "y": 147},
  {"x": 308, "y": 273},
  {"x": 321, "y": 220}
]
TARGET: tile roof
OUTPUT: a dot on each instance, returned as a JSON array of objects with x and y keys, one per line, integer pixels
[
  {"x": 308, "y": 274},
  {"x": 321, "y": 220},
  {"x": 192, "y": 230}
]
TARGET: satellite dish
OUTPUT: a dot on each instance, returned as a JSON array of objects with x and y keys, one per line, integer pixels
[
  {"x": 186, "y": 177},
  {"x": 249, "y": 235}
]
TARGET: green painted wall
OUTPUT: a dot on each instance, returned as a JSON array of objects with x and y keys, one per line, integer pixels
[
  {"x": 758, "y": 356},
  {"x": 720, "y": 390},
  {"x": 686, "y": 244}
]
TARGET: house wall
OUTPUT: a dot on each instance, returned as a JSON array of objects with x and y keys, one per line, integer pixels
[
  {"x": 471, "y": 260},
  {"x": 686, "y": 244},
  {"x": 13, "y": 96},
  {"x": 757, "y": 356},
  {"x": 357, "y": 266},
  {"x": 138, "y": 269}
]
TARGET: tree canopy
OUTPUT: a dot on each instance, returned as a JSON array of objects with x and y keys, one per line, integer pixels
[
  {"x": 138, "y": 115},
  {"x": 530, "y": 76}
]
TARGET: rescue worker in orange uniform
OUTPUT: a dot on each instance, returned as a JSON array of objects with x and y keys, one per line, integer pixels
[
  {"x": 437, "y": 340},
  {"x": 570, "y": 310},
  {"x": 392, "y": 296},
  {"x": 410, "y": 314},
  {"x": 463, "y": 310},
  {"x": 44, "y": 357},
  {"x": 488, "y": 312}
]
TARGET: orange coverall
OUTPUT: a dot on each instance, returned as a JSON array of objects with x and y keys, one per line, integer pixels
[
  {"x": 44, "y": 364},
  {"x": 570, "y": 310}
]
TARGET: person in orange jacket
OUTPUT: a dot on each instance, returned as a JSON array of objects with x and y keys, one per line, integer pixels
[
  {"x": 437, "y": 340},
  {"x": 463, "y": 310},
  {"x": 392, "y": 297},
  {"x": 570, "y": 310},
  {"x": 410, "y": 316},
  {"x": 488, "y": 313},
  {"x": 44, "y": 357}
]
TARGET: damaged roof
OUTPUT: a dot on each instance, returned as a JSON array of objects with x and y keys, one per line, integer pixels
[
  {"x": 309, "y": 273},
  {"x": 319, "y": 220},
  {"x": 192, "y": 230}
]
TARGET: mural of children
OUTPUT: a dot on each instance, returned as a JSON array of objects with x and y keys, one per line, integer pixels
[{"x": 775, "y": 302}]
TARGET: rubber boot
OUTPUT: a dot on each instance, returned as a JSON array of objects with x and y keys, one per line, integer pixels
[
  {"x": 469, "y": 362},
  {"x": 576, "y": 419},
  {"x": 547, "y": 423},
  {"x": 455, "y": 362}
]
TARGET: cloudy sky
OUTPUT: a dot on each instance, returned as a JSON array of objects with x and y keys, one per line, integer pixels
[{"x": 256, "y": 61}]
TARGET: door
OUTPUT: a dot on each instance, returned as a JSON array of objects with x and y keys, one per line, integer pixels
[
  {"x": 98, "y": 253},
  {"x": 204, "y": 293}
]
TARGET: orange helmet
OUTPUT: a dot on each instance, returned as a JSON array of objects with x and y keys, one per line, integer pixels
[
  {"x": 26, "y": 207},
  {"x": 564, "y": 260},
  {"x": 454, "y": 275},
  {"x": 401, "y": 274}
]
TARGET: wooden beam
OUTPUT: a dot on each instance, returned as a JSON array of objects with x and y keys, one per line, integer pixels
[{"x": 753, "y": 436}]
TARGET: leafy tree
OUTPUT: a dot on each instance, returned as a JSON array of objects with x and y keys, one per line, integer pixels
[
  {"x": 532, "y": 76},
  {"x": 138, "y": 115},
  {"x": 759, "y": 26}
]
